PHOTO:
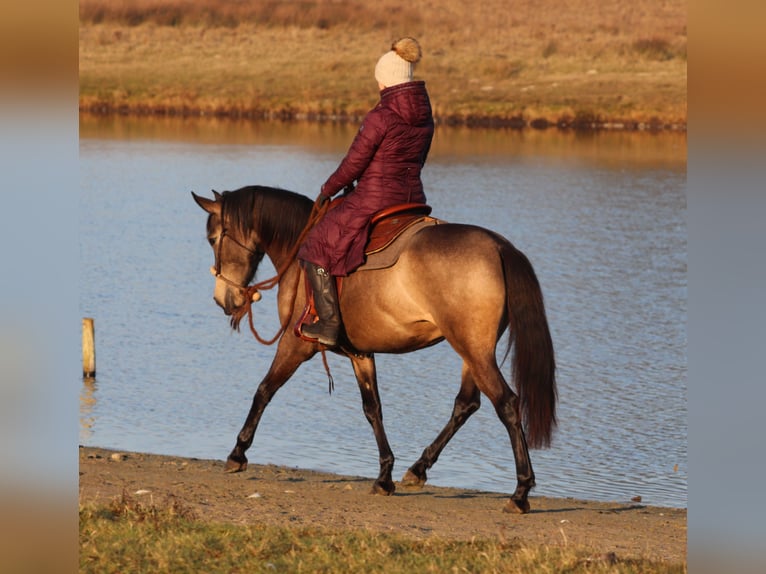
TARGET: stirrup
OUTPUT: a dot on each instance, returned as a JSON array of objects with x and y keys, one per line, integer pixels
[{"x": 326, "y": 334}]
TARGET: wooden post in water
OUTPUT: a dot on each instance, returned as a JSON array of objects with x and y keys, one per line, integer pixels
[{"x": 88, "y": 350}]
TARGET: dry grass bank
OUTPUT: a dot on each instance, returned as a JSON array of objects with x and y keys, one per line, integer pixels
[
  {"x": 523, "y": 62},
  {"x": 132, "y": 536},
  {"x": 305, "y": 521}
]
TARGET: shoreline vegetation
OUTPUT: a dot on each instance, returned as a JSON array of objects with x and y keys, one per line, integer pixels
[{"x": 588, "y": 64}]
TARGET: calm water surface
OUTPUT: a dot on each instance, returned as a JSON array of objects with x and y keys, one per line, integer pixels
[{"x": 601, "y": 217}]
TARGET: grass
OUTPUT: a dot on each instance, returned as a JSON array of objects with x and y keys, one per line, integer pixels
[
  {"x": 582, "y": 63},
  {"x": 131, "y": 536}
]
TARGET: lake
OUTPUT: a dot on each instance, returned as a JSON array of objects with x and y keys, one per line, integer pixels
[{"x": 601, "y": 216}]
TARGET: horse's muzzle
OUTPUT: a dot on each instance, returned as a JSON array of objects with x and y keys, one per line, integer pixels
[{"x": 225, "y": 306}]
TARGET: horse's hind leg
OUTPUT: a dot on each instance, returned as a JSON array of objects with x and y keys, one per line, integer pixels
[
  {"x": 467, "y": 402},
  {"x": 506, "y": 404},
  {"x": 484, "y": 377},
  {"x": 364, "y": 369}
]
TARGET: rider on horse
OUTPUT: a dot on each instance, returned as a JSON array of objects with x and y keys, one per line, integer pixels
[{"x": 385, "y": 159}]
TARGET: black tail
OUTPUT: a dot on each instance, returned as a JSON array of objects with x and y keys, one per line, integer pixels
[{"x": 534, "y": 365}]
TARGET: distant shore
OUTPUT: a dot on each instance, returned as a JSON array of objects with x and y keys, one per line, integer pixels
[
  {"x": 566, "y": 123},
  {"x": 538, "y": 66}
]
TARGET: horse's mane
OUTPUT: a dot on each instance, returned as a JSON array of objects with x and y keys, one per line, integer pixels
[{"x": 278, "y": 216}]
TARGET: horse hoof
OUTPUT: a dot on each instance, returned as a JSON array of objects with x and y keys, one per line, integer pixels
[
  {"x": 412, "y": 480},
  {"x": 517, "y": 506},
  {"x": 234, "y": 466},
  {"x": 383, "y": 490}
]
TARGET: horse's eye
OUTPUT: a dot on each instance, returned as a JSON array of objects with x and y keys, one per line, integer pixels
[{"x": 211, "y": 241}]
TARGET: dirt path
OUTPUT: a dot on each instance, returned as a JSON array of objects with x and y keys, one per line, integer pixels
[{"x": 293, "y": 497}]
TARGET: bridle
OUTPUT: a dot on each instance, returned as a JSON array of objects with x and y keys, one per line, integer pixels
[
  {"x": 252, "y": 292},
  {"x": 215, "y": 270}
]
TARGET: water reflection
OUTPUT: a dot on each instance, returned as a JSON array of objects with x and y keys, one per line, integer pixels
[
  {"x": 601, "y": 216},
  {"x": 450, "y": 143}
]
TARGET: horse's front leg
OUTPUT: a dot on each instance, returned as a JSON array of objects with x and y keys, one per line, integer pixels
[
  {"x": 364, "y": 369},
  {"x": 291, "y": 352}
]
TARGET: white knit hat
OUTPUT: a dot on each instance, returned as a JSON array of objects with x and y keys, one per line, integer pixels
[{"x": 396, "y": 67}]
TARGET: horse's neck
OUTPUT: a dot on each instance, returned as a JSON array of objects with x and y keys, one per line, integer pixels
[
  {"x": 288, "y": 271},
  {"x": 289, "y": 292},
  {"x": 282, "y": 260}
]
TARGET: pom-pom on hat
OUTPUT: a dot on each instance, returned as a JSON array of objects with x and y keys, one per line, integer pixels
[{"x": 396, "y": 66}]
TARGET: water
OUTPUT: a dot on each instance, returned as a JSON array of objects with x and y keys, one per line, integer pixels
[{"x": 602, "y": 218}]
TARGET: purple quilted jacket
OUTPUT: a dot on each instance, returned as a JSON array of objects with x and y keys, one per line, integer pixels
[{"x": 385, "y": 159}]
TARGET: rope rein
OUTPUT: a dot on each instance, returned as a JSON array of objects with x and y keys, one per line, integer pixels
[
  {"x": 247, "y": 308},
  {"x": 317, "y": 213}
]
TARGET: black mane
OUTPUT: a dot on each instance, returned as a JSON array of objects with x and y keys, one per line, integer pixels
[{"x": 277, "y": 216}]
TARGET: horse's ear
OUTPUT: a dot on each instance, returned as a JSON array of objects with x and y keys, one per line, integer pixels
[{"x": 209, "y": 205}]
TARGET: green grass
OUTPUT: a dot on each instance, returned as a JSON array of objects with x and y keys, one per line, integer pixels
[{"x": 130, "y": 536}]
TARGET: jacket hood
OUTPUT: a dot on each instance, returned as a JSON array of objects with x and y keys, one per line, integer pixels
[{"x": 409, "y": 101}]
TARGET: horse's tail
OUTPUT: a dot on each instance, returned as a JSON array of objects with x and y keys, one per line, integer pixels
[{"x": 533, "y": 362}]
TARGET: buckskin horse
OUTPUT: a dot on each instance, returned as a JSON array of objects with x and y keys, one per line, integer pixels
[{"x": 455, "y": 282}]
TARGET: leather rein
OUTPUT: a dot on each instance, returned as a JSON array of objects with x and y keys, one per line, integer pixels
[{"x": 252, "y": 292}]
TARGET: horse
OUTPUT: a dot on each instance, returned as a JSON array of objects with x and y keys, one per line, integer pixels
[{"x": 455, "y": 282}]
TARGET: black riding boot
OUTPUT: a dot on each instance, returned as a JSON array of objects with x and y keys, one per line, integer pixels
[{"x": 326, "y": 302}]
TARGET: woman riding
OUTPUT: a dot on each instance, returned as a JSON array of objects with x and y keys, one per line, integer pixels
[{"x": 385, "y": 160}]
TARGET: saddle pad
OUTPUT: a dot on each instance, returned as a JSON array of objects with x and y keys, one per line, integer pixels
[
  {"x": 386, "y": 254},
  {"x": 385, "y": 231}
]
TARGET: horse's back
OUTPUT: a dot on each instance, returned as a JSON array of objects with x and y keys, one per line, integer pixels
[
  {"x": 451, "y": 242},
  {"x": 459, "y": 261}
]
